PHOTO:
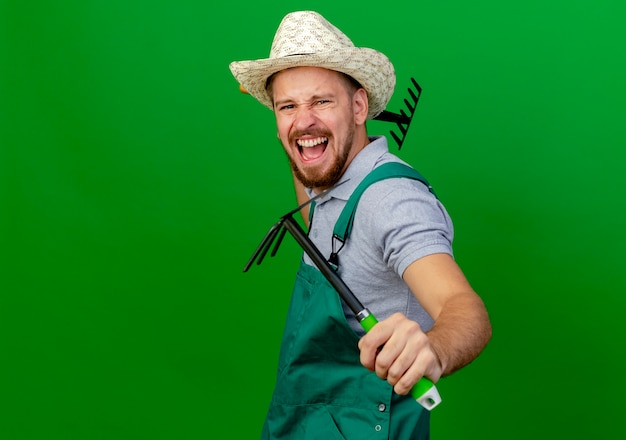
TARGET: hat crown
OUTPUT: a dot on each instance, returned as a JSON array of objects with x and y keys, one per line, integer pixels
[
  {"x": 305, "y": 38},
  {"x": 305, "y": 33}
]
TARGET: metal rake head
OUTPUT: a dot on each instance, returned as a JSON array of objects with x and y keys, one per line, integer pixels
[
  {"x": 277, "y": 232},
  {"x": 402, "y": 119}
]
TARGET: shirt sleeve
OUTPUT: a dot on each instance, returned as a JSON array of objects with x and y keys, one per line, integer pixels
[{"x": 404, "y": 221}]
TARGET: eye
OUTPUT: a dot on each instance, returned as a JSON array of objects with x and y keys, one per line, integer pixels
[{"x": 322, "y": 101}]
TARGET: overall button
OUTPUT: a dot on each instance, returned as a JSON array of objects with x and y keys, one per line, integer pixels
[{"x": 382, "y": 407}]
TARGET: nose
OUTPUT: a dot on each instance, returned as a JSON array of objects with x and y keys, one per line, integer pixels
[{"x": 304, "y": 118}]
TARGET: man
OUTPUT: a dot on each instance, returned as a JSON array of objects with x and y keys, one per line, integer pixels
[{"x": 333, "y": 380}]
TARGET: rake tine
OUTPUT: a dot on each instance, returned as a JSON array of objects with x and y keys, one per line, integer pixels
[
  {"x": 397, "y": 139},
  {"x": 267, "y": 246},
  {"x": 269, "y": 237},
  {"x": 283, "y": 231},
  {"x": 417, "y": 86},
  {"x": 403, "y": 129},
  {"x": 409, "y": 106}
]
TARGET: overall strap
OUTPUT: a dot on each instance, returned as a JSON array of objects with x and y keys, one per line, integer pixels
[{"x": 385, "y": 171}]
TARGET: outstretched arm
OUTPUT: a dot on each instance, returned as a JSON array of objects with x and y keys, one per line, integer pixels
[
  {"x": 462, "y": 328},
  {"x": 460, "y": 332}
]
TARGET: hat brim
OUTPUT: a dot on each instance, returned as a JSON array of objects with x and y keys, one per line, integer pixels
[{"x": 370, "y": 68}]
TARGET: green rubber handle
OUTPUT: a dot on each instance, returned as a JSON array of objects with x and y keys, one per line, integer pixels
[{"x": 424, "y": 391}]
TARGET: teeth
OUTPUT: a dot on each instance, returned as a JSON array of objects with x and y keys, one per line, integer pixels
[{"x": 312, "y": 142}]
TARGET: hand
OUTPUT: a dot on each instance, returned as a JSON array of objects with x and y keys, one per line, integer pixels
[{"x": 399, "y": 351}]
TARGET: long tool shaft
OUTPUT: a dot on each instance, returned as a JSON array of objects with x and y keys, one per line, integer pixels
[{"x": 424, "y": 391}]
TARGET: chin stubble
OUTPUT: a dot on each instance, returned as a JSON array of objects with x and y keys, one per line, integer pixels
[{"x": 329, "y": 178}]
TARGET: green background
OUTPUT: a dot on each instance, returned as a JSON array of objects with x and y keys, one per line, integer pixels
[{"x": 135, "y": 182}]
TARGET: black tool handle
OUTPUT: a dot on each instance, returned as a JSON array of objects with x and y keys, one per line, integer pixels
[{"x": 316, "y": 256}]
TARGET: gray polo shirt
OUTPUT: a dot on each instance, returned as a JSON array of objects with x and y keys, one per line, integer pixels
[{"x": 397, "y": 222}]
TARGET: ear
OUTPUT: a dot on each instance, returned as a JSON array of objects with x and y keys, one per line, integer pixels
[{"x": 361, "y": 106}]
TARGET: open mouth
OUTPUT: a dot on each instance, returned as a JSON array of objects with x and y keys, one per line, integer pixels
[{"x": 312, "y": 148}]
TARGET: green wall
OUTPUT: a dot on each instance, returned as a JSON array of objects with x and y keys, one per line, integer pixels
[{"x": 135, "y": 182}]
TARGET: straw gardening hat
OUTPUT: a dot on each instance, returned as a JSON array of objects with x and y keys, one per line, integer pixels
[{"x": 305, "y": 38}]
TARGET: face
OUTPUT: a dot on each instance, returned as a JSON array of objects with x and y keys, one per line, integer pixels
[{"x": 320, "y": 121}]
